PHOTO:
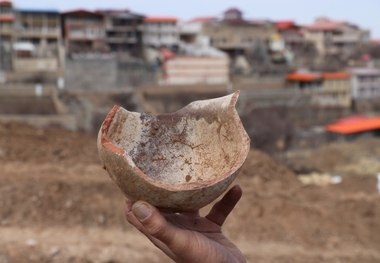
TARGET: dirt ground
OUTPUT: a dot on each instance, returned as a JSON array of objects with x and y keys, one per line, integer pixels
[
  {"x": 358, "y": 158},
  {"x": 57, "y": 204}
]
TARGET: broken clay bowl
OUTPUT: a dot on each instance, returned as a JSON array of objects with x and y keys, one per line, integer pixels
[{"x": 180, "y": 161}]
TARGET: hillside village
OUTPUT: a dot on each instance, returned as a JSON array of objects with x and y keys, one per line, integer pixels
[
  {"x": 318, "y": 72},
  {"x": 228, "y": 48}
]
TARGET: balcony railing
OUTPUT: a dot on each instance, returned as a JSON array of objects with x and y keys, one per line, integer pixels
[
  {"x": 83, "y": 22},
  {"x": 43, "y": 30},
  {"x": 151, "y": 29},
  {"x": 345, "y": 39},
  {"x": 293, "y": 38},
  {"x": 121, "y": 40}
]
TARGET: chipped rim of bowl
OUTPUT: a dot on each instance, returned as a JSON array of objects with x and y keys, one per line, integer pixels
[{"x": 108, "y": 145}]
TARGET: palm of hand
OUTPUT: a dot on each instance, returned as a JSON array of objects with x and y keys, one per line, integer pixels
[{"x": 208, "y": 235}]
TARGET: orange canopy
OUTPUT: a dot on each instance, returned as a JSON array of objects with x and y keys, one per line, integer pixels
[
  {"x": 303, "y": 76},
  {"x": 364, "y": 125}
]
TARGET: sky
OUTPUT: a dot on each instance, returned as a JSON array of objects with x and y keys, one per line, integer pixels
[{"x": 364, "y": 13}]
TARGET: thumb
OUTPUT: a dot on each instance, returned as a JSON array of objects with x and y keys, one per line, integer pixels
[{"x": 155, "y": 225}]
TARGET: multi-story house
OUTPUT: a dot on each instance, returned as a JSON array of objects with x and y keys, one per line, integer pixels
[
  {"x": 161, "y": 32},
  {"x": 234, "y": 34},
  {"x": 83, "y": 32},
  {"x": 6, "y": 35},
  {"x": 123, "y": 31},
  {"x": 6, "y": 21},
  {"x": 335, "y": 37},
  {"x": 336, "y": 90},
  {"x": 194, "y": 69},
  {"x": 327, "y": 89},
  {"x": 39, "y": 27},
  {"x": 365, "y": 83},
  {"x": 38, "y": 46},
  {"x": 191, "y": 31},
  {"x": 291, "y": 34}
]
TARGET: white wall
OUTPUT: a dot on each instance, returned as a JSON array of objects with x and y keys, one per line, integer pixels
[{"x": 194, "y": 70}]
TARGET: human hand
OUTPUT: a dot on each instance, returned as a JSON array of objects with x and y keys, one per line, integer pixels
[{"x": 188, "y": 237}]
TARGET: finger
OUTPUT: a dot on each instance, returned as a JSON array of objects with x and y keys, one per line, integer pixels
[
  {"x": 223, "y": 208},
  {"x": 132, "y": 219},
  {"x": 155, "y": 225}
]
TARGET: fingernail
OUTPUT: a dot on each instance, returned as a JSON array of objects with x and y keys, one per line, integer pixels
[{"x": 142, "y": 212}]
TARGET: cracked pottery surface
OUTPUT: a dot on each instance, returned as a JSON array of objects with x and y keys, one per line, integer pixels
[{"x": 179, "y": 161}]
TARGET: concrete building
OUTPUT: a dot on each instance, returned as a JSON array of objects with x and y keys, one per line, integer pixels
[
  {"x": 161, "y": 31},
  {"x": 234, "y": 34},
  {"x": 37, "y": 45},
  {"x": 335, "y": 37},
  {"x": 290, "y": 33},
  {"x": 191, "y": 31},
  {"x": 123, "y": 31},
  {"x": 193, "y": 70},
  {"x": 6, "y": 35},
  {"x": 365, "y": 83},
  {"x": 327, "y": 89},
  {"x": 336, "y": 90},
  {"x": 83, "y": 32},
  {"x": 6, "y": 21}
]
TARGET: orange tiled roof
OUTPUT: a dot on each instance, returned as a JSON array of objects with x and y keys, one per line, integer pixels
[
  {"x": 6, "y": 3},
  {"x": 335, "y": 75},
  {"x": 325, "y": 25},
  {"x": 285, "y": 24},
  {"x": 303, "y": 76},
  {"x": 161, "y": 19},
  {"x": 203, "y": 19},
  {"x": 368, "y": 124}
]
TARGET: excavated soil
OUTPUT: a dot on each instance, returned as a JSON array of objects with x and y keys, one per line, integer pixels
[{"x": 57, "y": 204}]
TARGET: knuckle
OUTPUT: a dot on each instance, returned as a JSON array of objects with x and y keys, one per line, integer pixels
[{"x": 155, "y": 230}]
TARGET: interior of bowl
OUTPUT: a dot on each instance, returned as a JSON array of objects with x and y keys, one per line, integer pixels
[{"x": 194, "y": 144}]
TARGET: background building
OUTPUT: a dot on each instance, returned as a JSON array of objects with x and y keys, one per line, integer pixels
[
  {"x": 161, "y": 32},
  {"x": 123, "y": 31},
  {"x": 83, "y": 32},
  {"x": 234, "y": 35},
  {"x": 6, "y": 34},
  {"x": 335, "y": 37},
  {"x": 327, "y": 89},
  {"x": 291, "y": 34},
  {"x": 38, "y": 53},
  {"x": 365, "y": 83},
  {"x": 194, "y": 70}
]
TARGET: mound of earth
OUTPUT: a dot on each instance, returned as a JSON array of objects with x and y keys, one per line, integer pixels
[
  {"x": 360, "y": 158},
  {"x": 59, "y": 205}
]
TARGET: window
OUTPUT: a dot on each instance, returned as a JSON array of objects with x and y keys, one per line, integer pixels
[
  {"x": 52, "y": 41},
  {"x": 6, "y": 10}
]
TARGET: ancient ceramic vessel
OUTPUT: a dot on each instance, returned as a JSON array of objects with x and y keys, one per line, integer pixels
[{"x": 180, "y": 161}]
